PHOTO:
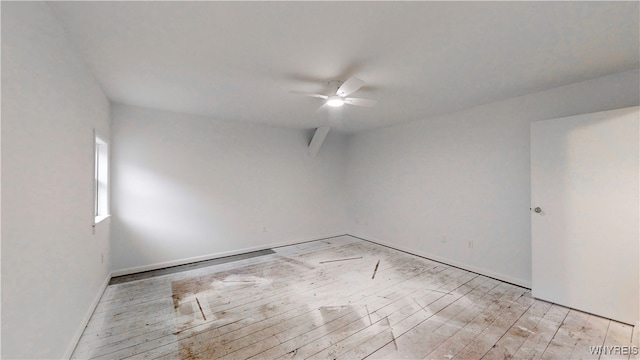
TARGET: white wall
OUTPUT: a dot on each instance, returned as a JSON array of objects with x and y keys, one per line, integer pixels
[
  {"x": 189, "y": 187},
  {"x": 466, "y": 177},
  {"x": 51, "y": 260}
]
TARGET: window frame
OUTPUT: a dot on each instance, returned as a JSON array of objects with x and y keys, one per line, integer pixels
[{"x": 101, "y": 170}]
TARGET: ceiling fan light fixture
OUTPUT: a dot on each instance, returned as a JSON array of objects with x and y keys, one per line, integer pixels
[{"x": 335, "y": 101}]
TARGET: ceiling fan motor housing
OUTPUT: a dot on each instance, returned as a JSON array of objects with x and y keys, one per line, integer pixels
[{"x": 335, "y": 100}]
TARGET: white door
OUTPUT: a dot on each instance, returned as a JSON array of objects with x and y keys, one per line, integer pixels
[{"x": 585, "y": 238}]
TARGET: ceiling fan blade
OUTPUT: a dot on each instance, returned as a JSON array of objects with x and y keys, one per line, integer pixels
[
  {"x": 360, "y": 102},
  {"x": 349, "y": 86},
  {"x": 309, "y": 94},
  {"x": 322, "y": 108}
]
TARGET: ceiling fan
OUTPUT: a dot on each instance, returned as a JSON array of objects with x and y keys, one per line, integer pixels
[{"x": 340, "y": 97}]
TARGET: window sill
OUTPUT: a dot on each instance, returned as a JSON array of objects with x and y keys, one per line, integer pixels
[{"x": 100, "y": 219}]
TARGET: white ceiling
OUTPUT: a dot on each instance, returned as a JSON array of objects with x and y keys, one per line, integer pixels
[{"x": 237, "y": 61}]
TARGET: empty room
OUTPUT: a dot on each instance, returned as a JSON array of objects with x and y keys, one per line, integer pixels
[{"x": 320, "y": 180}]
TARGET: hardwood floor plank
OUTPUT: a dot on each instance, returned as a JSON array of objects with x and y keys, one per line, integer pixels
[
  {"x": 219, "y": 328},
  {"x": 481, "y": 316},
  {"x": 415, "y": 311},
  {"x": 635, "y": 341},
  {"x": 318, "y": 300},
  {"x": 593, "y": 333},
  {"x": 355, "y": 297},
  {"x": 459, "y": 321},
  {"x": 542, "y": 333},
  {"x": 618, "y": 334},
  {"x": 120, "y": 330},
  {"x": 413, "y": 342},
  {"x": 519, "y": 332},
  {"x": 567, "y": 337},
  {"x": 375, "y": 313},
  {"x": 491, "y": 335},
  {"x": 147, "y": 286}
]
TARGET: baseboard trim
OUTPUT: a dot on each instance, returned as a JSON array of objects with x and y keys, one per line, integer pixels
[
  {"x": 86, "y": 318},
  {"x": 463, "y": 266},
  {"x": 171, "y": 263}
]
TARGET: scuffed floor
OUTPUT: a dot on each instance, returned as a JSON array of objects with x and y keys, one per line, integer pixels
[{"x": 338, "y": 298}]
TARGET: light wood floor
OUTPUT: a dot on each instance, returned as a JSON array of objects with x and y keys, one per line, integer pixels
[{"x": 321, "y": 300}]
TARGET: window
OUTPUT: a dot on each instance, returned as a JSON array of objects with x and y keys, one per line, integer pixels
[{"x": 101, "y": 181}]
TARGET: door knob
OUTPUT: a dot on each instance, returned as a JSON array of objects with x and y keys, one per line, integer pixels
[{"x": 538, "y": 210}]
